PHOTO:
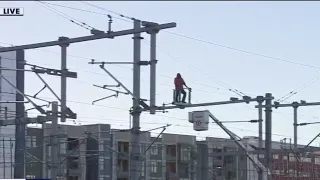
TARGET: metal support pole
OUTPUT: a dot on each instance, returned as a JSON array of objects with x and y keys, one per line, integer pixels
[
  {"x": 20, "y": 129},
  {"x": 295, "y": 125},
  {"x": 64, "y": 71},
  {"x": 153, "y": 62},
  {"x": 260, "y": 174},
  {"x": 268, "y": 132},
  {"x": 260, "y": 124},
  {"x": 135, "y": 164},
  {"x": 54, "y": 144}
]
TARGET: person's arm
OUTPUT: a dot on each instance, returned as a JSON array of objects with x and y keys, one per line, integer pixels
[{"x": 184, "y": 83}]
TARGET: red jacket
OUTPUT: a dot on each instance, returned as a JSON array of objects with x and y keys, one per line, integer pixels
[{"x": 179, "y": 82}]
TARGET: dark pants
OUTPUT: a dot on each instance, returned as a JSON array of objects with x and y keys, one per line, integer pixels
[{"x": 178, "y": 92}]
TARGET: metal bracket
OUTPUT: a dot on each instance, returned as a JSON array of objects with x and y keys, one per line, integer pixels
[
  {"x": 69, "y": 114},
  {"x": 151, "y": 27},
  {"x": 40, "y": 109},
  {"x": 54, "y": 72}
]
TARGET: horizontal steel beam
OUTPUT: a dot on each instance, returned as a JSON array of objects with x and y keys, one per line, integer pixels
[
  {"x": 86, "y": 38},
  {"x": 37, "y": 120},
  {"x": 290, "y": 105},
  {"x": 207, "y": 104}
]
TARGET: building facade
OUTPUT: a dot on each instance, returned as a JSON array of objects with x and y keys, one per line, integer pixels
[
  {"x": 12, "y": 60},
  {"x": 97, "y": 152},
  {"x": 83, "y": 152}
]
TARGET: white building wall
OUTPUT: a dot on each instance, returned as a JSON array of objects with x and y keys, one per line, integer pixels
[{"x": 8, "y": 93}]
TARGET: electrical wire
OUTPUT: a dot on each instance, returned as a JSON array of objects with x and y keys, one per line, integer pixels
[
  {"x": 181, "y": 35},
  {"x": 231, "y": 48},
  {"x": 106, "y": 106},
  {"x": 299, "y": 89},
  {"x": 65, "y": 16},
  {"x": 239, "y": 93}
]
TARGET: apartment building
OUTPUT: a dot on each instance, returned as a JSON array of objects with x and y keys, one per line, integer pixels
[
  {"x": 83, "y": 152},
  {"x": 179, "y": 156},
  {"x": 97, "y": 153},
  {"x": 217, "y": 167},
  {"x": 170, "y": 156},
  {"x": 121, "y": 154}
]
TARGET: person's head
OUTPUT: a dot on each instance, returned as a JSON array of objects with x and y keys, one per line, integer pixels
[{"x": 178, "y": 75}]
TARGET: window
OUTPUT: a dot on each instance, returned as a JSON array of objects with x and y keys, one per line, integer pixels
[
  {"x": 185, "y": 154},
  {"x": 292, "y": 157},
  {"x": 101, "y": 164},
  {"x": 153, "y": 166},
  {"x": 33, "y": 141},
  {"x": 317, "y": 160},
  {"x": 101, "y": 147},
  {"x": 142, "y": 168},
  {"x": 123, "y": 165},
  {"x": 73, "y": 162},
  {"x": 123, "y": 147},
  {"x": 30, "y": 176},
  {"x": 28, "y": 142},
  {"x": 275, "y": 156},
  {"x": 171, "y": 150},
  {"x": 171, "y": 167},
  {"x": 154, "y": 150},
  {"x": 305, "y": 159},
  {"x": 72, "y": 143}
]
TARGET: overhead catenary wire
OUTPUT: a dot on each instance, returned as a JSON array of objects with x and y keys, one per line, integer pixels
[
  {"x": 216, "y": 44},
  {"x": 302, "y": 87},
  {"x": 186, "y": 36},
  {"x": 65, "y": 16},
  {"x": 239, "y": 93},
  {"x": 101, "y": 105}
]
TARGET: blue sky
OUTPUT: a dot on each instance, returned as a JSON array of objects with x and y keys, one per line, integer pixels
[{"x": 283, "y": 30}]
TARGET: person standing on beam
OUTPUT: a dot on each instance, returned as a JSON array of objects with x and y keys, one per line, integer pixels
[{"x": 179, "y": 83}]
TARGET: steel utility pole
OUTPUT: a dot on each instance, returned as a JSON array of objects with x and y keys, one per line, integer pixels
[
  {"x": 136, "y": 110},
  {"x": 295, "y": 106},
  {"x": 260, "y": 100},
  {"x": 268, "y": 133},
  {"x": 54, "y": 142},
  {"x": 135, "y": 163},
  {"x": 64, "y": 76}
]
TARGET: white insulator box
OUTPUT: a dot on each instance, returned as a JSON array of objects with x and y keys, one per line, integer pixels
[
  {"x": 190, "y": 117},
  {"x": 200, "y": 120}
]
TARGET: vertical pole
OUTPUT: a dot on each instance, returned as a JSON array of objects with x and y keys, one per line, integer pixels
[
  {"x": 295, "y": 124},
  {"x": 64, "y": 71},
  {"x": 20, "y": 129},
  {"x": 4, "y": 159},
  {"x": 54, "y": 152},
  {"x": 135, "y": 164},
  {"x": 153, "y": 62},
  {"x": 11, "y": 159},
  {"x": 260, "y": 101},
  {"x": 260, "y": 124},
  {"x": 268, "y": 132}
]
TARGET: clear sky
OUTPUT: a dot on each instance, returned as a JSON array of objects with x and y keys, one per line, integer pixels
[{"x": 274, "y": 30}]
